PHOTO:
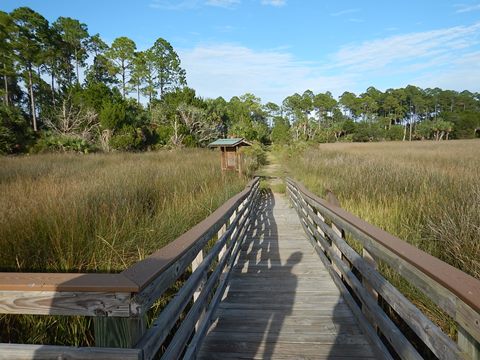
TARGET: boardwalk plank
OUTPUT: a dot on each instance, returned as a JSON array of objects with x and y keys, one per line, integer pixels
[{"x": 280, "y": 302}]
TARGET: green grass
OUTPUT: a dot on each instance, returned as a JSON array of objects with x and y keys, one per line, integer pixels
[
  {"x": 427, "y": 193},
  {"x": 98, "y": 213}
]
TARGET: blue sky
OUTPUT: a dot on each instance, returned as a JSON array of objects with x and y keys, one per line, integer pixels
[{"x": 274, "y": 48}]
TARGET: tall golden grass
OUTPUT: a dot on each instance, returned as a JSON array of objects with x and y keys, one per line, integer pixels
[
  {"x": 427, "y": 193},
  {"x": 100, "y": 212},
  {"x": 103, "y": 212}
]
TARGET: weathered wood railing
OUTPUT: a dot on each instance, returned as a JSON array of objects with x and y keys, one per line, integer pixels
[
  {"x": 367, "y": 291},
  {"x": 119, "y": 302}
]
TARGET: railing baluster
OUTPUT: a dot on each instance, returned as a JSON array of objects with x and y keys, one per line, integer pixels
[
  {"x": 417, "y": 267},
  {"x": 118, "y": 303},
  {"x": 117, "y": 332},
  {"x": 371, "y": 261},
  {"x": 219, "y": 235},
  {"x": 469, "y": 346}
]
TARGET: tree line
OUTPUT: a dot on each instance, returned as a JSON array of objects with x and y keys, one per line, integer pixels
[
  {"x": 409, "y": 113},
  {"x": 66, "y": 89}
]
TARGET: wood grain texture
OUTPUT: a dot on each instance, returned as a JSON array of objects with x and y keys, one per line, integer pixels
[
  {"x": 118, "y": 332},
  {"x": 321, "y": 246},
  {"x": 48, "y": 352},
  {"x": 271, "y": 308},
  {"x": 440, "y": 344},
  {"x": 65, "y": 303},
  {"x": 464, "y": 286},
  {"x": 67, "y": 282},
  {"x": 146, "y": 271}
]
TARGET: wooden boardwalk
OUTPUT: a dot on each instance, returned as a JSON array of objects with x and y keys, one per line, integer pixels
[{"x": 281, "y": 303}]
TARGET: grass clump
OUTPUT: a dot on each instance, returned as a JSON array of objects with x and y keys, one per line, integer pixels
[
  {"x": 426, "y": 193},
  {"x": 97, "y": 213},
  {"x": 103, "y": 212}
]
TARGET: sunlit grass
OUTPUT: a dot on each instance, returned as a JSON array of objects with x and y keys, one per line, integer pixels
[
  {"x": 98, "y": 213},
  {"x": 427, "y": 193}
]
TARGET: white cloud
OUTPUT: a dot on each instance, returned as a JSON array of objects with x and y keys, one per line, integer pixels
[
  {"x": 228, "y": 70},
  {"x": 462, "y": 8},
  {"x": 223, "y": 3},
  {"x": 448, "y": 58},
  {"x": 406, "y": 48},
  {"x": 277, "y": 3}
]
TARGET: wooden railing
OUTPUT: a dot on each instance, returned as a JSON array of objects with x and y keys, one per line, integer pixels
[
  {"x": 119, "y": 302},
  {"x": 373, "y": 299}
]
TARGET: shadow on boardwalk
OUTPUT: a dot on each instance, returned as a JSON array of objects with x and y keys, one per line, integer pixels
[{"x": 281, "y": 302}]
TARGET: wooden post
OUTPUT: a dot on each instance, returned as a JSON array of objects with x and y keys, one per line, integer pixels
[
  {"x": 320, "y": 231},
  {"x": 469, "y": 346},
  {"x": 222, "y": 150},
  {"x": 195, "y": 264},
  {"x": 234, "y": 214},
  {"x": 335, "y": 249},
  {"x": 118, "y": 332},
  {"x": 370, "y": 260},
  {"x": 332, "y": 199},
  {"x": 219, "y": 235},
  {"x": 240, "y": 163}
]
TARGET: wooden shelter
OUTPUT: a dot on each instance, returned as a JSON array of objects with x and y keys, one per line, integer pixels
[{"x": 232, "y": 158}]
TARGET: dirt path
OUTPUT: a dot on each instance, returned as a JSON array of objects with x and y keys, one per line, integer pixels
[{"x": 273, "y": 172}]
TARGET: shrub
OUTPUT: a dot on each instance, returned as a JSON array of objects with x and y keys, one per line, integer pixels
[
  {"x": 255, "y": 156},
  {"x": 394, "y": 133},
  {"x": 49, "y": 142},
  {"x": 112, "y": 116},
  {"x": 14, "y": 130},
  {"x": 127, "y": 138}
]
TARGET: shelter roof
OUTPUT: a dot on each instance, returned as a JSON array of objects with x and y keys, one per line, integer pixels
[{"x": 229, "y": 142}]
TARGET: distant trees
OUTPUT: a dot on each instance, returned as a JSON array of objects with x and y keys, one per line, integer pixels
[
  {"x": 122, "y": 55},
  {"x": 65, "y": 89},
  {"x": 41, "y": 68},
  {"x": 166, "y": 73},
  {"x": 397, "y": 114}
]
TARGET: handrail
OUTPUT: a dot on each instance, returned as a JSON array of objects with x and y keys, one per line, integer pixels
[
  {"x": 143, "y": 272},
  {"x": 466, "y": 287},
  {"x": 119, "y": 302},
  {"x": 458, "y": 300},
  {"x": 132, "y": 279}
]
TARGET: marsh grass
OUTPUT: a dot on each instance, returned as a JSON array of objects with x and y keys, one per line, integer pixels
[
  {"x": 97, "y": 213},
  {"x": 427, "y": 193},
  {"x": 103, "y": 212}
]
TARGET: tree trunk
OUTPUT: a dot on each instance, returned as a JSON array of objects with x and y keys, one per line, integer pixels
[
  {"x": 123, "y": 79},
  {"x": 76, "y": 65},
  {"x": 405, "y": 132},
  {"x": 410, "y": 130},
  {"x": 138, "y": 93},
  {"x": 32, "y": 99},
  {"x": 68, "y": 66},
  {"x": 5, "y": 81},
  {"x": 162, "y": 85},
  {"x": 53, "y": 90}
]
